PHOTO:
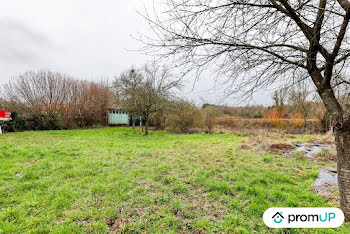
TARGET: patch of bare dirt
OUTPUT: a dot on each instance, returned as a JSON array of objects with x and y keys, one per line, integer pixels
[
  {"x": 280, "y": 148},
  {"x": 60, "y": 220},
  {"x": 298, "y": 170},
  {"x": 244, "y": 147},
  {"x": 115, "y": 225},
  {"x": 30, "y": 162}
]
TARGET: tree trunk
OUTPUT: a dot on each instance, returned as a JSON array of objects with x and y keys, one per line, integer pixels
[
  {"x": 146, "y": 127},
  {"x": 342, "y": 137},
  {"x": 141, "y": 122},
  {"x": 305, "y": 122},
  {"x": 133, "y": 123}
]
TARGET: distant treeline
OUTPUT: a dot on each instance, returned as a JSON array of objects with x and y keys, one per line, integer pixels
[
  {"x": 46, "y": 100},
  {"x": 239, "y": 112}
]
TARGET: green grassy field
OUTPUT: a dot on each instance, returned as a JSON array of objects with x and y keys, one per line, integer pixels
[{"x": 117, "y": 180}]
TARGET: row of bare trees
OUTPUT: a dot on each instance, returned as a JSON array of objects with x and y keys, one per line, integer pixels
[
  {"x": 76, "y": 103},
  {"x": 301, "y": 98}
]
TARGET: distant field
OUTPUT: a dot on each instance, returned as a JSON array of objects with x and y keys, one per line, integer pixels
[{"x": 117, "y": 180}]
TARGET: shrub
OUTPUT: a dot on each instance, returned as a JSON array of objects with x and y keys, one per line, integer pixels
[
  {"x": 297, "y": 120},
  {"x": 17, "y": 123},
  {"x": 210, "y": 115},
  {"x": 184, "y": 117},
  {"x": 77, "y": 102},
  {"x": 45, "y": 121},
  {"x": 157, "y": 120},
  {"x": 258, "y": 115},
  {"x": 276, "y": 117}
]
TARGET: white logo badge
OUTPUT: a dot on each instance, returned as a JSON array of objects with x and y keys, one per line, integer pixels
[{"x": 303, "y": 217}]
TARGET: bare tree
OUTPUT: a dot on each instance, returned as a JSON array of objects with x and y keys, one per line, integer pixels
[
  {"x": 127, "y": 87},
  {"x": 146, "y": 91},
  {"x": 38, "y": 91},
  {"x": 33, "y": 93},
  {"x": 256, "y": 43},
  {"x": 300, "y": 97},
  {"x": 280, "y": 96}
]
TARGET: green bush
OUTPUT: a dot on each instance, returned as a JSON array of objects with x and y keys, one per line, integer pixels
[
  {"x": 16, "y": 124},
  {"x": 41, "y": 121},
  {"x": 184, "y": 117},
  {"x": 258, "y": 115},
  {"x": 45, "y": 121}
]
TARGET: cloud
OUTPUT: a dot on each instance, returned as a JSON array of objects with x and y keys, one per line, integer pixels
[
  {"x": 87, "y": 39},
  {"x": 19, "y": 43}
]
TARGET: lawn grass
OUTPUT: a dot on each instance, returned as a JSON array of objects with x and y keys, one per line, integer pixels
[{"x": 117, "y": 180}]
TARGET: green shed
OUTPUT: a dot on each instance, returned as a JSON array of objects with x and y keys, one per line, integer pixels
[{"x": 118, "y": 117}]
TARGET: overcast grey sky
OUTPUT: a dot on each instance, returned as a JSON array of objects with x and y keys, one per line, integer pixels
[{"x": 88, "y": 39}]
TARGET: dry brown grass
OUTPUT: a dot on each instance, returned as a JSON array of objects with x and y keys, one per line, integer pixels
[
  {"x": 297, "y": 120},
  {"x": 293, "y": 125},
  {"x": 276, "y": 116}
]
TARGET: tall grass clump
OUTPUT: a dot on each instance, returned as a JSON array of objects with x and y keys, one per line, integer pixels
[
  {"x": 297, "y": 120},
  {"x": 276, "y": 117}
]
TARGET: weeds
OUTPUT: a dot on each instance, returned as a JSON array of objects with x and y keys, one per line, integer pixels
[{"x": 117, "y": 180}]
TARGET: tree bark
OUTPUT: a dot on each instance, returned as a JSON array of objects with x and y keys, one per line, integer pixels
[
  {"x": 342, "y": 137},
  {"x": 146, "y": 127},
  {"x": 341, "y": 125}
]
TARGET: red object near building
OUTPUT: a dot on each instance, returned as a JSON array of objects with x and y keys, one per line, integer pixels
[{"x": 5, "y": 115}]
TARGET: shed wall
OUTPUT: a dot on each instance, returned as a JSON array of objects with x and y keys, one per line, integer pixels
[{"x": 118, "y": 118}]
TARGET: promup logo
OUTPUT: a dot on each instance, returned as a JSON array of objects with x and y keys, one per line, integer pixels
[
  {"x": 303, "y": 217},
  {"x": 278, "y": 217}
]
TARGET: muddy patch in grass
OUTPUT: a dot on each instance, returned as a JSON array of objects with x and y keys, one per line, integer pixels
[
  {"x": 280, "y": 148},
  {"x": 244, "y": 147},
  {"x": 116, "y": 225},
  {"x": 30, "y": 162}
]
